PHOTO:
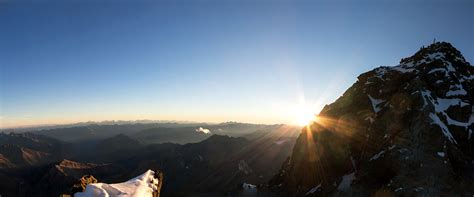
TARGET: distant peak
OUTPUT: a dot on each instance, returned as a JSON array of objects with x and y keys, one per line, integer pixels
[
  {"x": 220, "y": 138},
  {"x": 65, "y": 163}
]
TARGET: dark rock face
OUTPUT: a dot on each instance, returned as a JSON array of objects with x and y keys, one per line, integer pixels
[{"x": 403, "y": 130}]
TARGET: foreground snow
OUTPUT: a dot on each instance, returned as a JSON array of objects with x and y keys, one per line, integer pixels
[{"x": 140, "y": 186}]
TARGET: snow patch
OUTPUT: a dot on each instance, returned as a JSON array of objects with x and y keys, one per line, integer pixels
[
  {"x": 455, "y": 90},
  {"x": 140, "y": 186},
  {"x": 376, "y": 103},
  {"x": 444, "y": 128},
  {"x": 346, "y": 182},
  {"x": 380, "y": 72},
  {"x": 392, "y": 147},
  {"x": 418, "y": 189},
  {"x": 444, "y": 104},
  {"x": 353, "y": 164},
  {"x": 376, "y": 156},
  {"x": 370, "y": 119},
  {"x": 437, "y": 70},
  {"x": 248, "y": 186},
  {"x": 403, "y": 69},
  {"x": 314, "y": 189},
  {"x": 441, "y": 105}
]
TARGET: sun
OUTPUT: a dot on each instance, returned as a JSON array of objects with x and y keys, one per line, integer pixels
[{"x": 304, "y": 117}]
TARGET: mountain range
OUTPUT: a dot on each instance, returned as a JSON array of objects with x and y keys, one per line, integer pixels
[{"x": 49, "y": 162}]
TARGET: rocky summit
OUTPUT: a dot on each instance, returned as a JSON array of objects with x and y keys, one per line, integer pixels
[{"x": 402, "y": 130}]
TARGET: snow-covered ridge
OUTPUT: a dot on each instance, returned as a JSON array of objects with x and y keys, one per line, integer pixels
[
  {"x": 140, "y": 186},
  {"x": 440, "y": 52},
  {"x": 446, "y": 69}
]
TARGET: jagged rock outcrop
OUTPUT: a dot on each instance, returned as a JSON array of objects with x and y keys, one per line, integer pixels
[
  {"x": 403, "y": 130},
  {"x": 60, "y": 177},
  {"x": 145, "y": 185},
  {"x": 83, "y": 182}
]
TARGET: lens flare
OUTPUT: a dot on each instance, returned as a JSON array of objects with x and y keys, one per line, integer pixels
[{"x": 305, "y": 119}]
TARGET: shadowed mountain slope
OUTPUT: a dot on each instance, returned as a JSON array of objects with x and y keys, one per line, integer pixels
[{"x": 404, "y": 130}]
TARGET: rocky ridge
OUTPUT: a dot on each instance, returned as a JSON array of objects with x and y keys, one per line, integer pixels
[{"x": 403, "y": 130}]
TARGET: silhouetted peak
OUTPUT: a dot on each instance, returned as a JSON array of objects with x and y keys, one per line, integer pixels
[{"x": 418, "y": 112}]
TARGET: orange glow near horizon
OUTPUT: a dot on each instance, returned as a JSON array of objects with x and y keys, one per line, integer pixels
[{"x": 298, "y": 113}]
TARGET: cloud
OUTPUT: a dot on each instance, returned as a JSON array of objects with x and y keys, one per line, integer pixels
[{"x": 206, "y": 131}]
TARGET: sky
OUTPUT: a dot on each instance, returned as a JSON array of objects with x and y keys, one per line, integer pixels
[{"x": 206, "y": 61}]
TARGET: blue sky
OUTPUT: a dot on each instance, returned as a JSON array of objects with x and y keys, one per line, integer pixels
[{"x": 262, "y": 62}]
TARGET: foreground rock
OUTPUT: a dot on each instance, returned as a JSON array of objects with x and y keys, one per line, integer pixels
[{"x": 144, "y": 185}]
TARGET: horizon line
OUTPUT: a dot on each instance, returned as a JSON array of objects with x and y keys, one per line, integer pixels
[{"x": 137, "y": 121}]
